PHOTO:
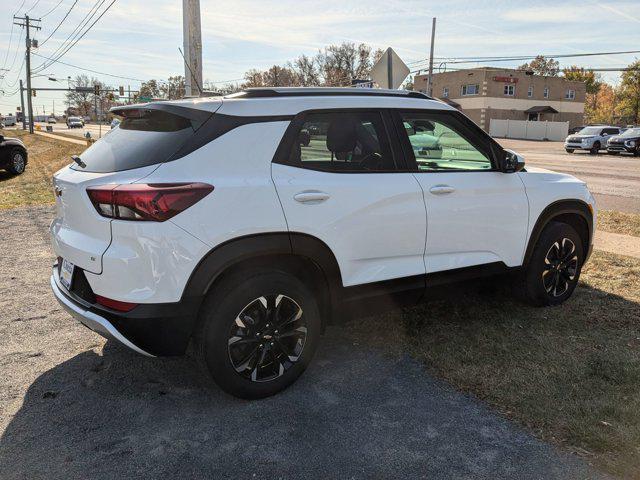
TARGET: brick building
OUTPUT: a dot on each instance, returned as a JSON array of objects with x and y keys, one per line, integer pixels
[{"x": 501, "y": 93}]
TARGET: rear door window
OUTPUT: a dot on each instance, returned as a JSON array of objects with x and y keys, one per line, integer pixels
[
  {"x": 342, "y": 142},
  {"x": 144, "y": 137}
]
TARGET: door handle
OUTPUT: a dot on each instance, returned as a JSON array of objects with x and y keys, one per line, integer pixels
[
  {"x": 442, "y": 189},
  {"x": 311, "y": 197}
]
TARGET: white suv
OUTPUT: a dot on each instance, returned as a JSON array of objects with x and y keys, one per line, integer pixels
[{"x": 247, "y": 223}]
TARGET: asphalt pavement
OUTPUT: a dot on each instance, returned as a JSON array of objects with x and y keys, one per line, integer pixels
[{"x": 75, "y": 407}]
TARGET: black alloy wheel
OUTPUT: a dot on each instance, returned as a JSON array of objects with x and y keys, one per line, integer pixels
[
  {"x": 561, "y": 267},
  {"x": 267, "y": 338}
]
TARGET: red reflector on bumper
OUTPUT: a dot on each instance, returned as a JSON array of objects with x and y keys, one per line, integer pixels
[{"x": 115, "y": 304}]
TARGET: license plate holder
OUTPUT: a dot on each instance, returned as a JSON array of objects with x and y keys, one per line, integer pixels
[{"x": 66, "y": 273}]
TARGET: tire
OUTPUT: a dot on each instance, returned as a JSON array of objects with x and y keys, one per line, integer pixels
[
  {"x": 569, "y": 150},
  {"x": 17, "y": 162},
  {"x": 595, "y": 148},
  {"x": 238, "y": 310},
  {"x": 539, "y": 288}
]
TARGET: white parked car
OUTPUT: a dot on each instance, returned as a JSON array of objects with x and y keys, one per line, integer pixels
[
  {"x": 593, "y": 139},
  {"x": 75, "y": 122},
  {"x": 247, "y": 223},
  {"x": 52, "y": 120}
]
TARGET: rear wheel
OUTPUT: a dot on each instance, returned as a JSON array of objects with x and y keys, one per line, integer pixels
[
  {"x": 595, "y": 148},
  {"x": 258, "y": 334},
  {"x": 17, "y": 162},
  {"x": 554, "y": 268}
]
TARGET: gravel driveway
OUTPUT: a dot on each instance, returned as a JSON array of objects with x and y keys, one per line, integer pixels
[{"x": 72, "y": 406}]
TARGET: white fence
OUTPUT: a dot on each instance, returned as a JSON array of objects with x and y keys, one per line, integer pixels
[{"x": 524, "y": 129}]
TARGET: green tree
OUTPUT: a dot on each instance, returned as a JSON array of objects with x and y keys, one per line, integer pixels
[
  {"x": 629, "y": 97},
  {"x": 592, "y": 80},
  {"x": 149, "y": 89},
  {"x": 173, "y": 88},
  {"x": 542, "y": 66}
]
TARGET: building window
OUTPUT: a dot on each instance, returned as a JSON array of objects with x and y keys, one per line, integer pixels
[
  {"x": 570, "y": 94},
  {"x": 510, "y": 90},
  {"x": 530, "y": 91},
  {"x": 445, "y": 92},
  {"x": 545, "y": 93},
  {"x": 470, "y": 89}
]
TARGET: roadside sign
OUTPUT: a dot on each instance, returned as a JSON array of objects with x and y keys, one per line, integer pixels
[
  {"x": 144, "y": 99},
  {"x": 390, "y": 71}
]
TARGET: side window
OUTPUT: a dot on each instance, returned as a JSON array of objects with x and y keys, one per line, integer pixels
[
  {"x": 341, "y": 142},
  {"x": 441, "y": 145}
]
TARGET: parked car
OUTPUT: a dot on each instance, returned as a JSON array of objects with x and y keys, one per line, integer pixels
[
  {"x": 13, "y": 155},
  {"x": 9, "y": 120},
  {"x": 74, "y": 122},
  {"x": 213, "y": 221},
  {"x": 52, "y": 120},
  {"x": 627, "y": 142},
  {"x": 592, "y": 138}
]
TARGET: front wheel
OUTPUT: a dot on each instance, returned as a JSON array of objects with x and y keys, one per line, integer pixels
[
  {"x": 257, "y": 334},
  {"x": 17, "y": 162},
  {"x": 554, "y": 268},
  {"x": 569, "y": 150},
  {"x": 595, "y": 148}
]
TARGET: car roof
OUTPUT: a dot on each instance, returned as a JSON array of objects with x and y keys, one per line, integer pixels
[{"x": 279, "y": 101}]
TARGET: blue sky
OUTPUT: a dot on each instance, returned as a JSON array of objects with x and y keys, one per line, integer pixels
[{"x": 140, "y": 38}]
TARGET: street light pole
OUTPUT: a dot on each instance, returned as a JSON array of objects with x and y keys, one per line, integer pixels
[{"x": 433, "y": 37}]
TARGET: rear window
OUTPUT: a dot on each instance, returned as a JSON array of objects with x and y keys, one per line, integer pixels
[{"x": 144, "y": 137}]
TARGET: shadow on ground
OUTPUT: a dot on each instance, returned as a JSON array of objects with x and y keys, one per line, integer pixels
[{"x": 355, "y": 413}]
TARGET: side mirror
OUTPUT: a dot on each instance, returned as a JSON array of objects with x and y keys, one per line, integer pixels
[
  {"x": 605, "y": 134},
  {"x": 512, "y": 162}
]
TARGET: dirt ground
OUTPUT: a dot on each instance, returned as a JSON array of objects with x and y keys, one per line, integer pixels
[{"x": 75, "y": 407}]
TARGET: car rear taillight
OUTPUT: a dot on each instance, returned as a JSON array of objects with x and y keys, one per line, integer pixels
[
  {"x": 146, "y": 201},
  {"x": 115, "y": 304}
]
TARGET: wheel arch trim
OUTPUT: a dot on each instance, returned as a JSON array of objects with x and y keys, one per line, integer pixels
[{"x": 554, "y": 210}]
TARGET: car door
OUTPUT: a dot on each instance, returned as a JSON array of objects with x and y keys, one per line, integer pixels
[
  {"x": 339, "y": 180},
  {"x": 476, "y": 214}
]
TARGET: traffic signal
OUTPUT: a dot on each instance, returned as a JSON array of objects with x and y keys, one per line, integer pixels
[
  {"x": 96, "y": 89},
  {"x": 33, "y": 92},
  {"x": 121, "y": 91},
  {"x": 110, "y": 96}
]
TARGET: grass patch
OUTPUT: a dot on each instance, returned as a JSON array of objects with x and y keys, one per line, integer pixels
[
  {"x": 619, "y": 222},
  {"x": 570, "y": 374},
  {"x": 33, "y": 187}
]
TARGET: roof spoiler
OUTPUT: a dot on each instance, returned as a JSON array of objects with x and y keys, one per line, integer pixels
[{"x": 195, "y": 115}]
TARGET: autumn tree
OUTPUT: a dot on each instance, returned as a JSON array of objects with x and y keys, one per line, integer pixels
[
  {"x": 540, "y": 65},
  {"x": 335, "y": 65},
  {"x": 149, "y": 89}
]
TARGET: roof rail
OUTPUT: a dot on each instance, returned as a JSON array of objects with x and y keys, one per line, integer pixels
[{"x": 325, "y": 91}]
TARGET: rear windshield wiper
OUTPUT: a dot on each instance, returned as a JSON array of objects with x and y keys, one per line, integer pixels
[{"x": 78, "y": 160}]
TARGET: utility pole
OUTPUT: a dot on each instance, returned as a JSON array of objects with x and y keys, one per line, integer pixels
[
  {"x": 26, "y": 22},
  {"x": 192, "y": 43},
  {"x": 24, "y": 114},
  {"x": 433, "y": 37}
]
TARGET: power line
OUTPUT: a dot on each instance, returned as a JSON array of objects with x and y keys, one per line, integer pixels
[
  {"x": 33, "y": 6},
  {"x": 61, "y": 22},
  {"x": 455, "y": 60},
  {"x": 76, "y": 31},
  {"x": 57, "y": 5},
  {"x": 88, "y": 69}
]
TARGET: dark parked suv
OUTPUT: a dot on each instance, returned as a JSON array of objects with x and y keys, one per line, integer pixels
[{"x": 626, "y": 142}]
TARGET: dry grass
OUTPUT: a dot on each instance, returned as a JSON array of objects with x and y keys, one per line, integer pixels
[
  {"x": 33, "y": 187},
  {"x": 570, "y": 374},
  {"x": 619, "y": 222}
]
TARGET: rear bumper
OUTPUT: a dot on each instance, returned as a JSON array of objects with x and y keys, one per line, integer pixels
[
  {"x": 150, "y": 329},
  {"x": 89, "y": 319}
]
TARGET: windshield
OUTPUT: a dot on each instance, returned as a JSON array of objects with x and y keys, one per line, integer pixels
[
  {"x": 590, "y": 131},
  {"x": 632, "y": 132},
  {"x": 144, "y": 137}
]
